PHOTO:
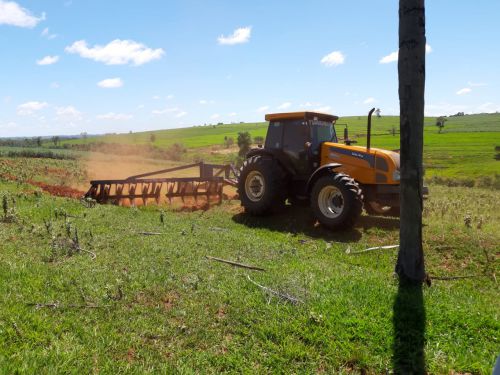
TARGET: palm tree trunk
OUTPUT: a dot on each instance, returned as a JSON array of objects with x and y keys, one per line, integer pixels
[{"x": 411, "y": 69}]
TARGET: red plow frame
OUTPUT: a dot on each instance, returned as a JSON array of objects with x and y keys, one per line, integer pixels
[{"x": 210, "y": 183}]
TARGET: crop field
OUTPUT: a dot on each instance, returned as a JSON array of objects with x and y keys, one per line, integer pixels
[{"x": 110, "y": 289}]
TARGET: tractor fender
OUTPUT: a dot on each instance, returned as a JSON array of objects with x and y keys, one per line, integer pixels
[
  {"x": 324, "y": 169},
  {"x": 273, "y": 154}
]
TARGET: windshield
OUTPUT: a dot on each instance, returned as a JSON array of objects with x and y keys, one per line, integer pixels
[{"x": 322, "y": 131}]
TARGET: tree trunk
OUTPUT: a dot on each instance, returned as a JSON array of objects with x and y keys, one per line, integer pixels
[{"x": 411, "y": 69}]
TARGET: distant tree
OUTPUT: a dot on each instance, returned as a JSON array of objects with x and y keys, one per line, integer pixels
[
  {"x": 259, "y": 140},
  {"x": 39, "y": 141},
  {"x": 152, "y": 138},
  {"x": 244, "y": 143},
  {"x": 377, "y": 112},
  {"x": 440, "y": 123},
  {"x": 55, "y": 140}
]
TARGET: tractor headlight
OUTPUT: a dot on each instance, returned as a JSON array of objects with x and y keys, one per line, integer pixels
[{"x": 396, "y": 175}]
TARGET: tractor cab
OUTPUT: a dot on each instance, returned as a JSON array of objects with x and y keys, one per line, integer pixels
[{"x": 296, "y": 138}]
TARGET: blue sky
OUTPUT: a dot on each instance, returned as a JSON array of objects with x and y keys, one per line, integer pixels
[{"x": 99, "y": 66}]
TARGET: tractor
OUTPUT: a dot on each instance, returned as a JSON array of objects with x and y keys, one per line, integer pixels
[{"x": 303, "y": 162}]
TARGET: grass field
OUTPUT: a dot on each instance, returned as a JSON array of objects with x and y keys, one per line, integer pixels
[{"x": 155, "y": 303}]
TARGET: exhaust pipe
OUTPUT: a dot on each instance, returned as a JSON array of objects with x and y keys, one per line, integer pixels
[{"x": 369, "y": 129}]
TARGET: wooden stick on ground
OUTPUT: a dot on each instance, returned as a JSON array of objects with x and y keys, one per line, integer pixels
[
  {"x": 455, "y": 277},
  {"x": 293, "y": 300},
  {"x": 150, "y": 233},
  {"x": 373, "y": 249},
  {"x": 235, "y": 263}
]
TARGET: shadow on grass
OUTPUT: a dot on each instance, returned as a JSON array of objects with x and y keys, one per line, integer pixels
[
  {"x": 409, "y": 329},
  {"x": 299, "y": 220}
]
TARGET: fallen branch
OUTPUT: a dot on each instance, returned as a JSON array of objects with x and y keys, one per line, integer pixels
[
  {"x": 455, "y": 277},
  {"x": 57, "y": 304},
  {"x": 93, "y": 256},
  {"x": 348, "y": 251},
  {"x": 235, "y": 263},
  {"x": 150, "y": 233},
  {"x": 286, "y": 297}
]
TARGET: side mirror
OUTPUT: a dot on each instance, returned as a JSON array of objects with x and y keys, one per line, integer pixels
[{"x": 348, "y": 141}]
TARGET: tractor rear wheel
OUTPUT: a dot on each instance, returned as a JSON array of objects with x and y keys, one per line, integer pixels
[
  {"x": 336, "y": 201},
  {"x": 262, "y": 185},
  {"x": 374, "y": 208}
]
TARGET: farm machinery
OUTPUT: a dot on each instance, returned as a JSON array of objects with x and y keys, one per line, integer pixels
[
  {"x": 144, "y": 187},
  {"x": 302, "y": 162}
]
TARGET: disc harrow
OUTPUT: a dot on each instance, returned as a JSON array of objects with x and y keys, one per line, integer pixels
[{"x": 144, "y": 187}]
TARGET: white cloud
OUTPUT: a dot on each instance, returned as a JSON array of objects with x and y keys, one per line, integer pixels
[
  {"x": 285, "y": 105},
  {"x": 114, "y": 116},
  {"x": 333, "y": 59},
  {"x": 110, "y": 83},
  {"x": 69, "y": 112},
  {"x": 443, "y": 109},
  {"x": 164, "y": 111},
  {"x": 393, "y": 56},
  {"x": 48, "y": 60},
  {"x": 232, "y": 114},
  {"x": 170, "y": 97},
  {"x": 464, "y": 91},
  {"x": 13, "y": 14},
  {"x": 55, "y": 85},
  {"x": 309, "y": 105},
  {"x": 204, "y": 101},
  {"x": 240, "y": 35},
  {"x": 488, "y": 107},
  {"x": 29, "y": 108},
  {"x": 181, "y": 114},
  {"x": 263, "y": 108},
  {"x": 369, "y": 100},
  {"x": 46, "y": 34},
  {"x": 117, "y": 52},
  {"x": 324, "y": 109},
  {"x": 215, "y": 116}
]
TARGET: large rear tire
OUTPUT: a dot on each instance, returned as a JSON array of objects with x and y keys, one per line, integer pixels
[
  {"x": 336, "y": 201},
  {"x": 262, "y": 185}
]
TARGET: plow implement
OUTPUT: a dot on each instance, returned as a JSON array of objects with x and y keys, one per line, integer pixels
[{"x": 145, "y": 187}]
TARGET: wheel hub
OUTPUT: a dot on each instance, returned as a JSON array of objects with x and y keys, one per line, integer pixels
[
  {"x": 254, "y": 186},
  {"x": 331, "y": 201}
]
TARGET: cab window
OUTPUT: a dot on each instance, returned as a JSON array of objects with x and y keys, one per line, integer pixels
[
  {"x": 274, "y": 133},
  {"x": 295, "y": 135}
]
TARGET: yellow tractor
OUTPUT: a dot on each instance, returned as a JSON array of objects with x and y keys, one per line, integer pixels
[{"x": 303, "y": 162}]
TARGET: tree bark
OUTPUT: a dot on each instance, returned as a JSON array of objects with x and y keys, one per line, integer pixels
[{"x": 411, "y": 70}]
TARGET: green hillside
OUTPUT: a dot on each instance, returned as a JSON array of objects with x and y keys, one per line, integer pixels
[{"x": 463, "y": 151}]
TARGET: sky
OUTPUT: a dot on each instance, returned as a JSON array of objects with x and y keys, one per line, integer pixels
[{"x": 102, "y": 66}]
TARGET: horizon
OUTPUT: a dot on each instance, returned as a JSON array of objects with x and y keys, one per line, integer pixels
[{"x": 74, "y": 66}]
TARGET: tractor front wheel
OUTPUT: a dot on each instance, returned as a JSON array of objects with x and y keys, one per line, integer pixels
[{"x": 336, "y": 201}]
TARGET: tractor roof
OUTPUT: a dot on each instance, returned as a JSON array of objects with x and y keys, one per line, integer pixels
[{"x": 301, "y": 115}]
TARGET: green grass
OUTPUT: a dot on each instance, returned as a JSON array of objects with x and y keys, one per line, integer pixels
[{"x": 163, "y": 307}]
